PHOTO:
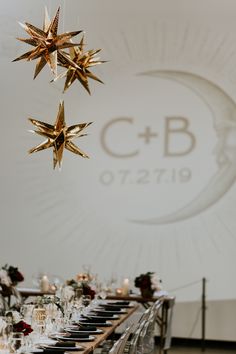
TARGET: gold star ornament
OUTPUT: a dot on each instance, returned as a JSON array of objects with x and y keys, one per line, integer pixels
[
  {"x": 78, "y": 63},
  {"x": 59, "y": 136},
  {"x": 47, "y": 43}
]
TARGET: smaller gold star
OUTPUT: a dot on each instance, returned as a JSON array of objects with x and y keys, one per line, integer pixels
[
  {"x": 59, "y": 136},
  {"x": 78, "y": 63},
  {"x": 46, "y": 42}
]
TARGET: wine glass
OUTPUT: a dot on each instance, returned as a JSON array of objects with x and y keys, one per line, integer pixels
[
  {"x": 39, "y": 321},
  {"x": 102, "y": 293},
  {"x": 26, "y": 312},
  {"x": 86, "y": 300},
  {"x": 16, "y": 341}
]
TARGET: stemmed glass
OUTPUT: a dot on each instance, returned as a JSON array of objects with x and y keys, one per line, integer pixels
[
  {"x": 5, "y": 330},
  {"x": 102, "y": 291},
  {"x": 26, "y": 312},
  {"x": 86, "y": 300},
  {"x": 39, "y": 321},
  {"x": 16, "y": 341}
]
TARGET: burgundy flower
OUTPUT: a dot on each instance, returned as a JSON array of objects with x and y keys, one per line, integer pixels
[
  {"x": 22, "y": 327},
  {"x": 88, "y": 291},
  {"x": 5, "y": 290},
  {"x": 15, "y": 275},
  {"x": 143, "y": 281}
]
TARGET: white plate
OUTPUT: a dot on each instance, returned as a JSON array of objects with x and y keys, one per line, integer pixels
[
  {"x": 99, "y": 317},
  {"x": 71, "y": 330},
  {"x": 88, "y": 339},
  {"x": 103, "y": 310},
  {"x": 102, "y": 324},
  {"x": 62, "y": 348},
  {"x": 117, "y": 305}
]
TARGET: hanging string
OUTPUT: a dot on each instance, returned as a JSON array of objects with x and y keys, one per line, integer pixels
[
  {"x": 64, "y": 16},
  {"x": 186, "y": 286},
  {"x": 50, "y": 8},
  {"x": 197, "y": 318}
]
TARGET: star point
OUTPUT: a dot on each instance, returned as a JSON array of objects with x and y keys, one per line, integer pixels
[
  {"x": 78, "y": 63},
  {"x": 59, "y": 136},
  {"x": 46, "y": 43}
]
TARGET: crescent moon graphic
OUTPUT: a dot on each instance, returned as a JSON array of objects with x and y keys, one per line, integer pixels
[{"x": 223, "y": 109}]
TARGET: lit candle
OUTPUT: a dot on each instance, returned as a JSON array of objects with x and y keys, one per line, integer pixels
[
  {"x": 125, "y": 287},
  {"x": 44, "y": 284},
  {"x": 119, "y": 291}
]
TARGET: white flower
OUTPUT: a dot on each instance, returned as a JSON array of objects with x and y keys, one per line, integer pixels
[
  {"x": 4, "y": 278},
  {"x": 67, "y": 293},
  {"x": 3, "y": 325},
  {"x": 155, "y": 282},
  {"x": 16, "y": 316}
]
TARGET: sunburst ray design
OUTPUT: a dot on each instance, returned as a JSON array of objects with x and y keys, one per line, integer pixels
[
  {"x": 46, "y": 42},
  {"x": 59, "y": 136}
]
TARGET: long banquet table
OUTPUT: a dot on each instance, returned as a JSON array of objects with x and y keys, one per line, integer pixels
[
  {"x": 107, "y": 331},
  {"x": 99, "y": 338},
  {"x": 163, "y": 320}
]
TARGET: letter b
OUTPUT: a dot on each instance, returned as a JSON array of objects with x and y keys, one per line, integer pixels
[{"x": 177, "y": 125}]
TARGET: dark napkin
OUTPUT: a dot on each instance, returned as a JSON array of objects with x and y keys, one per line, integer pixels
[
  {"x": 102, "y": 314},
  {"x": 88, "y": 328},
  {"x": 64, "y": 344},
  {"x": 51, "y": 351},
  {"x": 76, "y": 335},
  {"x": 83, "y": 328},
  {"x": 112, "y": 308},
  {"x": 93, "y": 320},
  {"x": 56, "y": 351}
]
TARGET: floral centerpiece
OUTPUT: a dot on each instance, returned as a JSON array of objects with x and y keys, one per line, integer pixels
[
  {"x": 22, "y": 327},
  {"x": 9, "y": 278},
  {"x": 148, "y": 283},
  {"x": 82, "y": 283},
  {"x": 18, "y": 325}
]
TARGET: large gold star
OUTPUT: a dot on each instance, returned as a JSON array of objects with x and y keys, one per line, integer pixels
[
  {"x": 59, "y": 136},
  {"x": 46, "y": 42},
  {"x": 78, "y": 63}
]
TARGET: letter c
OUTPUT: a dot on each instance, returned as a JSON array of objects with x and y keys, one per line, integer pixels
[{"x": 105, "y": 132}]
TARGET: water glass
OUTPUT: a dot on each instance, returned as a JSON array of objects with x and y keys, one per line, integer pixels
[
  {"x": 16, "y": 341},
  {"x": 86, "y": 300}
]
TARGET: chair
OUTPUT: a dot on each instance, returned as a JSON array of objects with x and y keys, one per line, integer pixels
[
  {"x": 119, "y": 346},
  {"x": 133, "y": 347},
  {"x": 171, "y": 304},
  {"x": 142, "y": 341},
  {"x": 147, "y": 337}
]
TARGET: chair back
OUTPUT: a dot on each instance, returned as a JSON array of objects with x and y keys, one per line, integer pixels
[{"x": 119, "y": 346}]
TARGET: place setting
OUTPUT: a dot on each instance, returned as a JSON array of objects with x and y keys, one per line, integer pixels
[
  {"x": 101, "y": 322},
  {"x": 74, "y": 337},
  {"x": 101, "y": 316},
  {"x": 109, "y": 310},
  {"x": 116, "y": 305},
  {"x": 59, "y": 346},
  {"x": 77, "y": 328}
]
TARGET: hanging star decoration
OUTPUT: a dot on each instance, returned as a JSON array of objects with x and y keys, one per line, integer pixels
[
  {"x": 78, "y": 63},
  {"x": 47, "y": 43},
  {"x": 59, "y": 136}
]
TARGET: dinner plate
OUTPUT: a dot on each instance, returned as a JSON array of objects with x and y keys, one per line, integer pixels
[
  {"x": 116, "y": 305},
  {"x": 79, "y": 347},
  {"x": 74, "y": 330},
  {"x": 111, "y": 317},
  {"x": 103, "y": 310},
  {"x": 100, "y": 324},
  {"x": 74, "y": 339}
]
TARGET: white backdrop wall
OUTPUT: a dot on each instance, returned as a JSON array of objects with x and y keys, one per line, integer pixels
[{"x": 158, "y": 191}]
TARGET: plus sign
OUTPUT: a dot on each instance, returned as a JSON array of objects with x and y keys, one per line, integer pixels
[{"x": 147, "y": 135}]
